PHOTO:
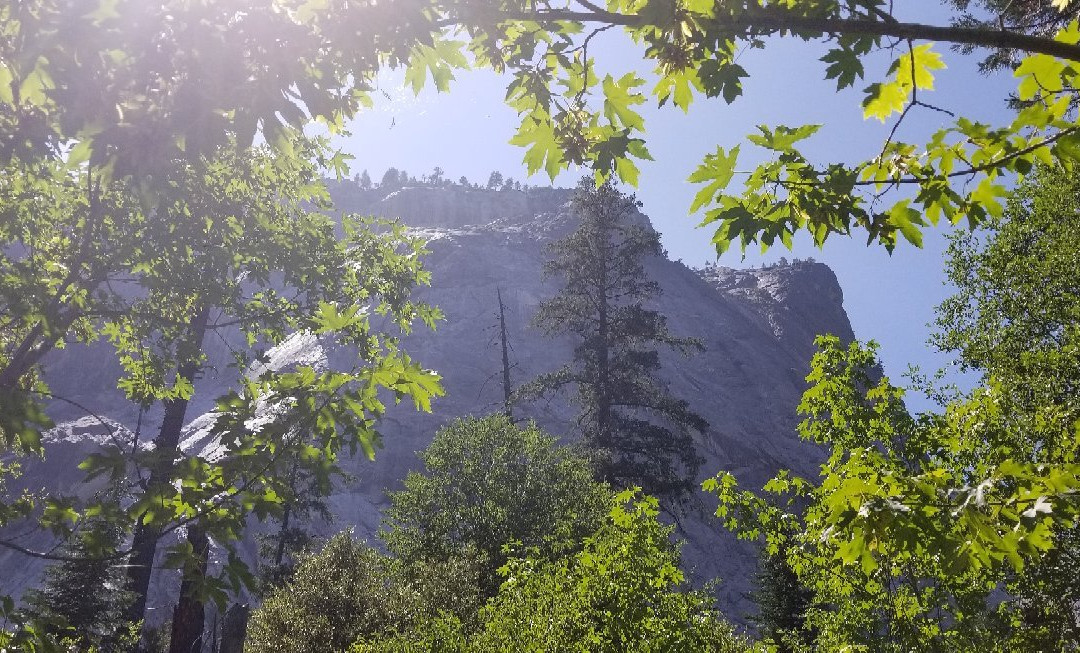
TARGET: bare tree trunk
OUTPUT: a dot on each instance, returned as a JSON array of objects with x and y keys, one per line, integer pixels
[
  {"x": 283, "y": 532},
  {"x": 507, "y": 390},
  {"x": 189, "y": 614}
]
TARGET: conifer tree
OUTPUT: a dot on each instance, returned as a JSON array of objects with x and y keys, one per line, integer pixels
[
  {"x": 391, "y": 179},
  {"x": 640, "y": 433},
  {"x": 81, "y": 598},
  {"x": 782, "y": 603}
]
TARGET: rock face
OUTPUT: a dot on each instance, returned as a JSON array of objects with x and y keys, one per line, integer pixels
[
  {"x": 757, "y": 327},
  {"x": 796, "y": 301}
]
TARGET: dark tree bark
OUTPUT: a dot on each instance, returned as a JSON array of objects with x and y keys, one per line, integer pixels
[
  {"x": 234, "y": 630},
  {"x": 773, "y": 20},
  {"x": 144, "y": 542},
  {"x": 189, "y": 614}
]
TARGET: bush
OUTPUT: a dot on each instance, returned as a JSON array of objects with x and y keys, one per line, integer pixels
[
  {"x": 487, "y": 483},
  {"x": 622, "y": 592},
  {"x": 348, "y": 591}
]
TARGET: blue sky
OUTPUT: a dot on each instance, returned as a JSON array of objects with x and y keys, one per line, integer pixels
[{"x": 889, "y": 298}]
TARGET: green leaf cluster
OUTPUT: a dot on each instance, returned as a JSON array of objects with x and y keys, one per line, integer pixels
[
  {"x": 488, "y": 484},
  {"x": 623, "y": 591},
  {"x": 84, "y": 95},
  {"x": 913, "y": 524},
  {"x": 955, "y": 528},
  {"x": 348, "y": 591},
  {"x": 240, "y": 242},
  {"x": 488, "y": 489}
]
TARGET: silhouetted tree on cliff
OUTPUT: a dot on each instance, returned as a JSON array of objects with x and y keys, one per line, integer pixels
[{"x": 640, "y": 433}]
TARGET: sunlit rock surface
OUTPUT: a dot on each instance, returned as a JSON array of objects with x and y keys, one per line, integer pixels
[{"x": 757, "y": 326}]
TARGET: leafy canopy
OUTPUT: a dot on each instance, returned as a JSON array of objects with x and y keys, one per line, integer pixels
[
  {"x": 237, "y": 243},
  {"x": 914, "y": 521},
  {"x": 488, "y": 485},
  {"x": 917, "y": 523},
  {"x": 348, "y": 591},
  {"x": 1014, "y": 317},
  {"x": 87, "y": 90},
  {"x": 623, "y": 591}
]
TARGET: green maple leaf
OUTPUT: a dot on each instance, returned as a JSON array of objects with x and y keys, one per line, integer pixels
[
  {"x": 717, "y": 169},
  {"x": 543, "y": 150},
  {"x": 844, "y": 66},
  {"x": 619, "y": 96},
  {"x": 439, "y": 60}
]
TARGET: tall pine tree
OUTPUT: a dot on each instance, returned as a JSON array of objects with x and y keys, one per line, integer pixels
[{"x": 639, "y": 432}]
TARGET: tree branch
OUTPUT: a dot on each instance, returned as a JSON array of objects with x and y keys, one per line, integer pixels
[{"x": 773, "y": 21}]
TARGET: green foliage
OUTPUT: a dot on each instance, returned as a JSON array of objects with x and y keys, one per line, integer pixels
[
  {"x": 249, "y": 231},
  {"x": 1042, "y": 616},
  {"x": 334, "y": 598},
  {"x": 62, "y": 237},
  {"x": 955, "y": 529},
  {"x": 571, "y": 114},
  {"x": 488, "y": 484},
  {"x": 88, "y": 91},
  {"x": 243, "y": 236},
  {"x": 111, "y": 114},
  {"x": 90, "y": 86},
  {"x": 80, "y": 598},
  {"x": 910, "y": 530},
  {"x": 1015, "y": 316},
  {"x": 622, "y": 592},
  {"x": 163, "y": 194},
  {"x": 488, "y": 488},
  {"x": 783, "y": 603},
  {"x": 348, "y": 592},
  {"x": 639, "y": 433},
  {"x": 277, "y": 550}
]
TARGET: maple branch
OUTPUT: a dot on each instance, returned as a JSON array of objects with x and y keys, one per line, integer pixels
[
  {"x": 760, "y": 23},
  {"x": 59, "y": 557},
  {"x": 989, "y": 165}
]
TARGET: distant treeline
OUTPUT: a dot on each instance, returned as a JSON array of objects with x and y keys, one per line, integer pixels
[{"x": 394, "y": 178}]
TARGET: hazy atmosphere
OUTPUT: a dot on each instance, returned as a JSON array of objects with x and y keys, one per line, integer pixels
[{"x": 463, "y": 326}]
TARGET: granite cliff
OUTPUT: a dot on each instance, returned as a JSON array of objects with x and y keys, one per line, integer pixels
[{"x": 757, "y": 326}]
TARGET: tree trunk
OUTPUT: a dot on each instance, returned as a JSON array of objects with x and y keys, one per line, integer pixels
[
  {"x": 144, "y": 542},
  {"x": 505, "y": 359},
  {"x": 603, "y": 347},
  {"x": 234, "y": 630},
  {"x": 188, "y": 616},
  {"x": 286, "y": 517}
]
